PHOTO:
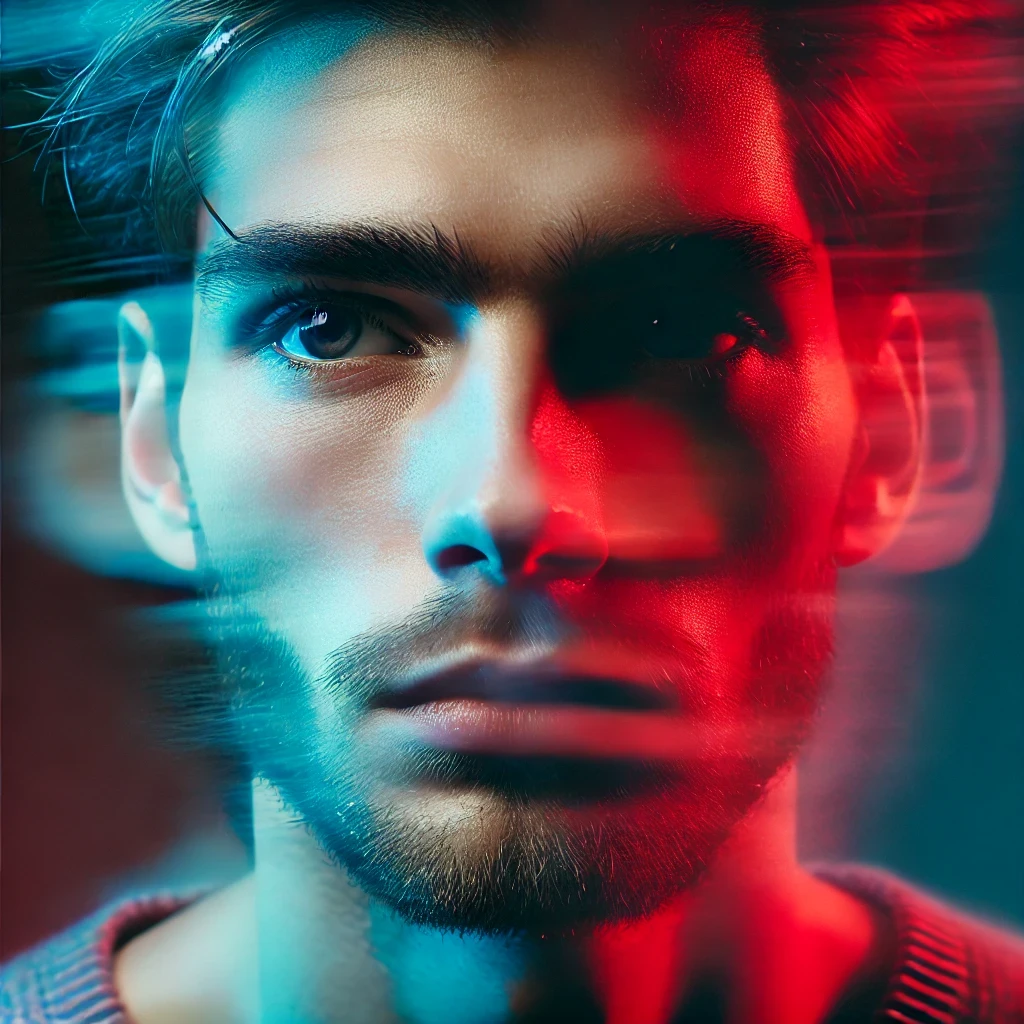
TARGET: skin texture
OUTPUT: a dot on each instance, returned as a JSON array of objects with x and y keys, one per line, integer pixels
[{"x": 395, "y": 512}]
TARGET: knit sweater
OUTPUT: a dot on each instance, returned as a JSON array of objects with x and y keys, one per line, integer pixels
[{"x": 947, "y": 968}]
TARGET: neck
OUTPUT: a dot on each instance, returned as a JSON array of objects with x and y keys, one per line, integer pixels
[
  {"x": 779, "y": 944},
  {"x": 782, "y": 944}
]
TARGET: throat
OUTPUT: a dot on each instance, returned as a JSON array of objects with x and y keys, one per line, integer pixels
[{"x": 758, "y": 940}]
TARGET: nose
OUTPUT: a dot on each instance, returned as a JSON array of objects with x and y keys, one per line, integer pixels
[
  {"x": 523, "y": 506},
  {"x": 560, "y": 544}
]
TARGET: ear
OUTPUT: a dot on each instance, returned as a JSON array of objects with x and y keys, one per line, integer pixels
[
  {"x": 150, "y": 475},
  {"x": 885, "y": 469},
  {"x": 962, "y": 433}
]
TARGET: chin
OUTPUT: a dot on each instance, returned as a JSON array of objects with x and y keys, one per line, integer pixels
[{"x": 475, "y": 857}]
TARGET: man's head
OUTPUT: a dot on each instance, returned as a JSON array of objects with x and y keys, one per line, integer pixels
[{"x": 519, "y": 441}]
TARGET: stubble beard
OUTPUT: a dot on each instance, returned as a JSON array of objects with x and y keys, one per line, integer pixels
[{"x": 444, "y": 847}]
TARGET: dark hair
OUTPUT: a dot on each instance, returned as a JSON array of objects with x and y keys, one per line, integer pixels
[{"x": 897, "y": 110}]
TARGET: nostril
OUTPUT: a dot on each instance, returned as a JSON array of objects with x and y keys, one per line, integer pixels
[{"x": 457, "y": 555}]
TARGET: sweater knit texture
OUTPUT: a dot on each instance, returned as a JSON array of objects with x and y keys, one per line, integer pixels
[{"x": 949, "y": 968}]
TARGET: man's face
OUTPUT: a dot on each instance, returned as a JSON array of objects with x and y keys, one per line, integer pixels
[{"x": 516, "y": 424}]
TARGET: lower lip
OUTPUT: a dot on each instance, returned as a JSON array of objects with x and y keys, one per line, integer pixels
[{"x": 484, "y": 727}]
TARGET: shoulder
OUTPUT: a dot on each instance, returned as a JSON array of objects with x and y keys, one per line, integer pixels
[
  {"x": 951, "y": 966},
  {"x": 70, "y": 977}
]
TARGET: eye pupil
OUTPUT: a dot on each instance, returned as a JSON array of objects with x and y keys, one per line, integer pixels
[
  {"x": 330, "y": 332},
  {"x": 696, "y": 337}
]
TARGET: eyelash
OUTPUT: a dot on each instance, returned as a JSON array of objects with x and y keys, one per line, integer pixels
[
  {"x": 753, "y": 335},
  {"x": 259, "y": 331}
]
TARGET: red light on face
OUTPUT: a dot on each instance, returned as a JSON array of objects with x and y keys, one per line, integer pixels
[{"x": 659, "y": 503}]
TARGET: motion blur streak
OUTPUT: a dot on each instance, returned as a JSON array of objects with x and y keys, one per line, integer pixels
[{"x": 531, "y": 420}]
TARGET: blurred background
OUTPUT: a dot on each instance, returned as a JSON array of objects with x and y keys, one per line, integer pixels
[{"x": 918, "y": 765}]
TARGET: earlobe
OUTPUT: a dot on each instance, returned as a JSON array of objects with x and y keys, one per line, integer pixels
[
  {"x": 150, "y": 475},
  {"x": 887, "y": 458}
]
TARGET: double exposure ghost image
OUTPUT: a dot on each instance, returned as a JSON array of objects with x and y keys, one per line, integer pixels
[{"x": 508, "y": 390}]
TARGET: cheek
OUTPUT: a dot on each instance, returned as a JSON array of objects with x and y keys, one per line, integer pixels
[
  {"x": 800, "y": 417},
  {"x": 661, "y": 492},
  {"x": 295, "y": 492}
]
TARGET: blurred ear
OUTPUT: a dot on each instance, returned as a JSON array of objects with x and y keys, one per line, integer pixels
[
  {"x": 886, "y": 465},
  {"x": 962, "y": 431},
  {"x": 150, "y": 475}
]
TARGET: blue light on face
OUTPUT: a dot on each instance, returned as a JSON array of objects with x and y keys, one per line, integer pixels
[
  {"x": 465, "y": 316},
  {"x": 457, "y": 438}
]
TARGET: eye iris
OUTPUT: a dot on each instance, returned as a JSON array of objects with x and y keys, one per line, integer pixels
[
  {"x": 697, "y": 337},
  {"x": 330, "y": 332}
]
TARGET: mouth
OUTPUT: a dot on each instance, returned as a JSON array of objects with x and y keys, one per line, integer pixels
[
  {"x": 494, "y": 683},
  {"x": 490, "y": 708}
]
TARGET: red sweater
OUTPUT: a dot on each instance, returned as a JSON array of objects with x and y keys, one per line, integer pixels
[{"x": 947, "y": 968}]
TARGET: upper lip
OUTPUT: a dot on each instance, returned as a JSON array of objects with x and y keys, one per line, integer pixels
[{"x": 527, "y": 684}]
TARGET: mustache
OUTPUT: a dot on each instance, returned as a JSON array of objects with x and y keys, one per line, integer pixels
[
  {"x": 257, "y": 658},
  {"x": 518, "y": 623}
]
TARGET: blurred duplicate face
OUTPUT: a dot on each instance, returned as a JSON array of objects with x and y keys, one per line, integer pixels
[{"x": 516, "y": 423}]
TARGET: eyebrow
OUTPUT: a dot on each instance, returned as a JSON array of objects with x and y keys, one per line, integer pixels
[
  {"x": 426, "y": 259},
  {"x": 423, "y": 259}
]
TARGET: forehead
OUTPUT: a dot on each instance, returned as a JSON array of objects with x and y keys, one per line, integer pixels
[{"x": 333, "y": 123}]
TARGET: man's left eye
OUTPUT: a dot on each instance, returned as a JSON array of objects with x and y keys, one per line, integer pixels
[
  {"x": 696, "y": 338},
  {"x": 330, "y": 331}
]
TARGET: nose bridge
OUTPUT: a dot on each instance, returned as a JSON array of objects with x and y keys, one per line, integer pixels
[
  {"x": 509, "y": 363},
  {"x": 511, "y": 506}
]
